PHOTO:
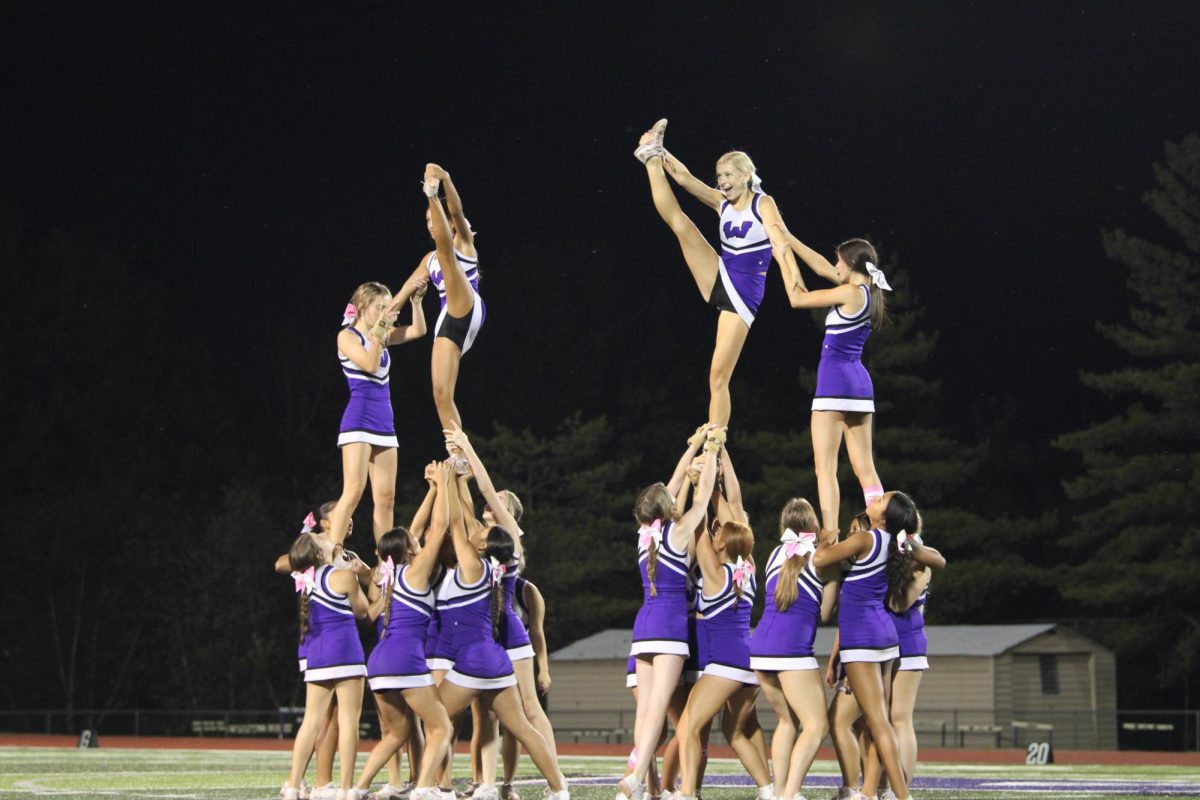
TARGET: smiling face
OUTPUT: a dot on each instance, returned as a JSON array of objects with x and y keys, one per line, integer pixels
[{"x": 731, "y": 181}]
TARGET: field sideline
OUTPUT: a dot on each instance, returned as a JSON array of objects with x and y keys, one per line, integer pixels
[{"x": 151, "y": 774}]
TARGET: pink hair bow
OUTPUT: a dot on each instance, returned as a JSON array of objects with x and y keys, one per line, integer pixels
[
  {"x": 742, "y": 570},
  {"x": 498, "y": 570},
  {"x": 387, "y": 574},
  {"x": 650, "y": 534},
  {"x": 349, "y": 314},
  {"x": 310, "y": 524},
  {"x": 306, "y": 581},
  {"x": 798, "y": 544}
]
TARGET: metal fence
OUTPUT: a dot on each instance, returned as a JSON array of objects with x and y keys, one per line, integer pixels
[{"x": 1122, "y": 729}]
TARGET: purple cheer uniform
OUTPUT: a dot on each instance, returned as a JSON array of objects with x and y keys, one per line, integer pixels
[
  {"x": 783, "y": 640},
  {"x": 661, "y": 625},
  {"x": 513, "y": 633},
  {"x": 724, "y": 630},
  {"x": 743, "y": 262},
  {"x": 842, "y": 381},
  {"x": 368, "y": 415},
  {"x": 864, "y": 625},
  {"x": 910, "y": 629},
  {"x": 480, "y": 662},
  {"x": 460, "y": 330},
  {"x": 332, "y": 646},
  {"x": 398, "y": 661}
]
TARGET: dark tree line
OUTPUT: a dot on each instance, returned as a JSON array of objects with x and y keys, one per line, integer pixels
[{"x": 152, "y": 474}]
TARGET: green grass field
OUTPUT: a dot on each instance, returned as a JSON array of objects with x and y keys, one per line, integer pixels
[{"x": 248, "y": 775}]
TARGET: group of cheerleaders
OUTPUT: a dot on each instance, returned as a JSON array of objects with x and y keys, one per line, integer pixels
[{"x": 445, "y": 593}]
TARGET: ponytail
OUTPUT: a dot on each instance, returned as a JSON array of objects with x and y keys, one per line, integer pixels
[
  {"x": 857, "y": 253},
  {"x": 387, "y": 611},
  {"x": 787, "y": 586},
  {"x": 652, "y": 568},
  {"x": 303, "y": 617},
  {"x": 497, "y": 607},
  {"x": 901, "y": 572}
]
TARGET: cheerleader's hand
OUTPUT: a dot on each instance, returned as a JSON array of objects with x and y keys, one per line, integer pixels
[
  {"x": 543, "y": 683},
  {"x": 831, "y": 674},
  {"x": 431, "y": 471},
  {"x": 457, "y": 437}
]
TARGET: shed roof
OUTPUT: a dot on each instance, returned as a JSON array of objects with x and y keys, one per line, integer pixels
[{"x": 944, "y": 640}]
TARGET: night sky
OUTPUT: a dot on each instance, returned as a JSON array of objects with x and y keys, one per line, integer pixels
[{"x": 259, "y": 164}]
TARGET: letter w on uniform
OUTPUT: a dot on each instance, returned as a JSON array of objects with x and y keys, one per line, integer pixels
[{"x": 739, "y": 232}]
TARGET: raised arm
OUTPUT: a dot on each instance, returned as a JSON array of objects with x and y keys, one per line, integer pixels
[
  {"x": 815, "y": 261},
  {"x": 470, "y": 562},
  {"x": 365, "y": 358},
  {"x": 685, "y": 460},
  {"x": 402, "y": 334},
  {"x": 537, "y": 635},
  {"x": 683, "y": 532},
  {"x": 421, "y": 518},
  {"x": 829, "y": 598},
  {"x": 856, "y": 545},
  {"x": 458, "y": 437},
  {"x": 709, "y": 561},
  {"x": 462, "y": 228},
  {"x": 426, "y": 559},
  {"x": 733, "y": 491},
  {"x": 697, "y": 188}
]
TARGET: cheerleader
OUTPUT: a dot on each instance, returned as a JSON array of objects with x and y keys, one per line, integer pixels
[
  {"x": 330, "y": 601},
  {"x": 867, "y": 637},
  {"x": 453, "y": 268},
  {"x": 726, "y": 598},
  {"x": 367, "y": 435},
  {"x": 660, "y": 639},
  {"x": 397, "y": 672},
  {"x": 844, "y": 401},
  {"x": 470, "y": 607},
  {"x": 908, "y": 591},
  {"x": 798, "y": 598},
  {"x": 732, "y": 282}
]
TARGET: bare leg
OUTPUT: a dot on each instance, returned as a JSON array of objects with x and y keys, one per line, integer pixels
[
  {"x": 731, "y": 336},
  {"x": 507, "y": 704},
  {"x": 866, "y": 679},
  {"x": 427, "y": 704},
  {"x": 657, "y": 680},
  {"x": 416, "y": 745},
  {"x": 355, "y": 457},
  {"x": 858, "y": 429},
  {"x": 445, "y": 771},
  {"x": 670, "y": 770},
  {"x": 700, "y": 256},
  {"x": 743, "y": 730},
  {"x": 826, "y": 440},
  {"x": 382, "y": 469},
  {"x": 510, "y": 749},
  {"x": 904, "y": 699},
  {"x": 327, "y": 747},
  {"x": 394, "y": 726},
  {"x": 444, "y": 367},
  {"x": 534, "y": 712},
  {"x": 843, "y": 711},
  {"x": 707, "y": 697},
  {"x": 784, "y": 737},
  {"x": 806, "y": 697},
  {"x": 349, "y": 695},
  {"x": 317, "y": 700},
  {"x": 393, "y": 763}
]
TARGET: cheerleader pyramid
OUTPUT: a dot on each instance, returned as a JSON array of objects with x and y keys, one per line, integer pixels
[{"x": 459, "y": 626}]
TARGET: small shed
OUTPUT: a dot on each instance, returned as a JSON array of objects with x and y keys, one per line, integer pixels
[{"x": 987, "y": 685}]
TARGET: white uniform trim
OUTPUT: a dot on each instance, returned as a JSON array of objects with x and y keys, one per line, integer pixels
[
  {"x": 335, "y": 673},
  {"x": 659, "y": 646},
  {"x": 783, "y": 663},
  {"x": 520, "y": 653},
  {"x": 471, "y": 682},
  {"x": 303, "y": 664},
  {"x": 378, "y": 440},
  {"x": 870, "y": 655},
  {"x": 731, "y": 673},
  {"x": 383, "y": 683},
  {"x": 843, "y": 404},
  {"x": 444, "y": 664},
  {"x": 472, "y": 329},
  {"x": 739, "y": 304},
  {"x": 913, "y": 663}
]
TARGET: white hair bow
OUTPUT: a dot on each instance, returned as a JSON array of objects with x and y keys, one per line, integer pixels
[
  {"x": 877, "y": 277},
  {"x": 902, "y": 544},
  {"x": 755, "y": 182},
  {"x": 650, "y": 535},
  {"x": 498, "y": 570},
  {"x": 742, "y": 569},
  {"x": 798, "y": 544}
]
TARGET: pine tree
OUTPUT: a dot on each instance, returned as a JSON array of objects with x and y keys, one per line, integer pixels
[{"x": 1135, "y": 536}]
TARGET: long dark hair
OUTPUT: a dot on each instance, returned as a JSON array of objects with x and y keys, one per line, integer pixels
[
  {"x": 500, "y": 547},
  {"x": 397, "y": 545},
  {"x": 856, "y": 253},
  {"x": 901, "y": 515}
]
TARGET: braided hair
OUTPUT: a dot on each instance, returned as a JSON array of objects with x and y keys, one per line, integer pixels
[
  {"x": 654, "y": 503},
  {"x": 739, "y": 542},
  {"x": 396, "y": 544},
  {"x": 304, "y": 553},
  {"x": 901, "y": 515},
  {"x": 500, "y": 547}
]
